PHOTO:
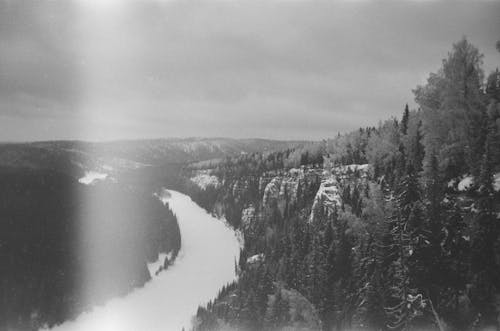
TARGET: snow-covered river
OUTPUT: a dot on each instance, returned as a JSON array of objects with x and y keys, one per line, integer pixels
[{"x": 205, "y": 263}]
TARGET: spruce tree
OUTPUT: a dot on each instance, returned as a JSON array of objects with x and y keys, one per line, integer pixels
[
  {"x": 485, "y": 266},
  {"x": 404, "y": 120},
  {"x": 408, "y": 246}
]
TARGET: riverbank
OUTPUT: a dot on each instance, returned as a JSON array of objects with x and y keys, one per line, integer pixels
[{"x": 203, "y": 266}]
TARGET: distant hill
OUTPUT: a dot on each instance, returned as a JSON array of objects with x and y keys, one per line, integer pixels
[{"x": 74, "y": 157}]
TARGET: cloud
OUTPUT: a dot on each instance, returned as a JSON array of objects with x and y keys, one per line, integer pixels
[{"x": 153, "y": 68}]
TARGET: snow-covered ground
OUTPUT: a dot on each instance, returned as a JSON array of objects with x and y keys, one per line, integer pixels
[
  {"x": 203, "y": 179},
  {"x": 496, "y": 181},
  {"x": 157, "y": 266},
  {"x": 205, "y": 263},
  {"x": 91, "y": 177},
  {"x": 465, "y": 183}
]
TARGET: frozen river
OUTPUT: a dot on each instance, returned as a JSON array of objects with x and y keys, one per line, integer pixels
[{"x": 168, "y": 302}]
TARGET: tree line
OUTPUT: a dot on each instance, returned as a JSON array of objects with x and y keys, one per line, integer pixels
[{"x": 408, "y": 247}]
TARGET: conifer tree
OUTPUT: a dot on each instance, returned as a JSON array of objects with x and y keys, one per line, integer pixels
[
  {"x": 404, "y": 120},
  {"x": 485, "y": 266},
  {"x": 278, "y": 310},
  {"x": 408, "y": 250}
]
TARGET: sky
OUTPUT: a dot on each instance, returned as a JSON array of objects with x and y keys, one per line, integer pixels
[{"x": 115, "y": 69}]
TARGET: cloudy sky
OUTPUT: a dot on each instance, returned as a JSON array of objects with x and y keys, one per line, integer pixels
[{"x": 110, "y": 69}]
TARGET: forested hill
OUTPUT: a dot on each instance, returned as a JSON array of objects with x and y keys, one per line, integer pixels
[
  {"x": 393, "y": 227},
  {"x": 63, "y": 202},
  {"x": 68, "y": 155}
]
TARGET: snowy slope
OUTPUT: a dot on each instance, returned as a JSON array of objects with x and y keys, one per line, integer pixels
[
  {"x": 205, "y": 263},
  {"x": 91, "y": 177},
  {"x": 204, "y": 179}
]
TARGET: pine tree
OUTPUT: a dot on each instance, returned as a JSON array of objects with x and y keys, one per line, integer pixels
[
  {"x": 404, "y": 120},
  {"x": 397, "y": 309},
  {"x": 453, "y": 276},
  {"x": 493, "y": 85},
  {"x": 409, "y": 251},
  {"x": 277, "y": 311},
  {"x": 417, "y": 149},
  {"x": 328, "y": 313},
  {"x": 434, "y": 196},
  {"x": 485, "y": 266}
]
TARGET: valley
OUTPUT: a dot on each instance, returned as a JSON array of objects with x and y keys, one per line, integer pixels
[{"x": 169, "y": 301}]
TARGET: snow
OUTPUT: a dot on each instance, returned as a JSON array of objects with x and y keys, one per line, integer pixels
[
  {"x": 205, "y": 263},
  {"x": 342, "y": 171},
  {"x": 91, "y": 177},
  {"x": 465, "y": 183},
  {"x": 155, "y": 267},
  {"x": 329, "y": 190},
  {"x": 496, "y": 181},
  {"x": 204, "y": 179},
  {"x": 354, "y": 167},
  {"x": 255, "y": 258},
  {"x": 272, "y": 190},
  {"x": 328, "y": 194}
]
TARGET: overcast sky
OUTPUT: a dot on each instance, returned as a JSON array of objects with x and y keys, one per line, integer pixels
[{"x": 110, "y": 69}]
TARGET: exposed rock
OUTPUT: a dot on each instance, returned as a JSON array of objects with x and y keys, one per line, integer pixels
[
  {"x": 248, "y": 217},
  {"x": 271, "y": 192},
  {"x": 263, "y": 181},
  {"x": 327, "y": 198}
]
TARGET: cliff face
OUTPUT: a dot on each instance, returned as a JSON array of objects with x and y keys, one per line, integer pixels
[
  {"x": 269, "y": 209},
  {"x": 245, "y": 199},
  {"x": 286, "y": 190},
  {"x": 311, "y": 190},
  {"x": 328, "y": 198}
]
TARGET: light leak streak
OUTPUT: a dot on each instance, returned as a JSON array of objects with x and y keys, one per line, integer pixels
[
  {"x": 209, "y": 248},
  {"x": 204, "y": 265}
]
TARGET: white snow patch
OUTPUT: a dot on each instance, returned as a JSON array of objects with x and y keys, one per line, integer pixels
[
  {"x": 204, "y": 180},
  {"x": 496, "y": 181},
  {"x": 204, "y": 265},
  {"x": 255, "y": 258},
  {"x": 465, "y": 183},
  {"x": 91, "y": 177},
  {"x": 342, "y": 171},
  {"x": 355, "y": 167}
]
